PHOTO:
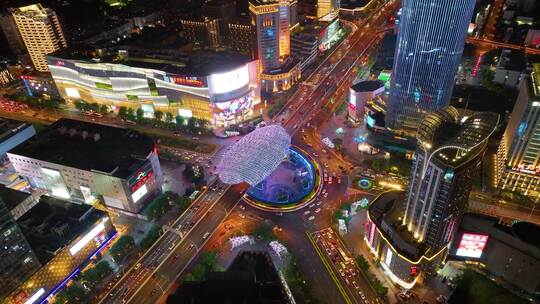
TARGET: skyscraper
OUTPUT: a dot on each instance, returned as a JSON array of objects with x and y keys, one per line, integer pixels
[
  {"x": 429, "y": 47},
  {"x": 446, "y": 161},
  {"x": 272, "y": 19},
  {"x": 17, "y": 260},
  {"x": 409, "y": 231},
  {"x": 41, "y": 32},
  {"x": 518, "y": 157},
  {"x": 325, "y": 7},
  {"x": 13, "y": 37}
]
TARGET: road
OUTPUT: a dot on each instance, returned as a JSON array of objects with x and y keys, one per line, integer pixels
[
  {"x": 179, "y": 232},
  {"x": 177, "y": 259},
  {"x": 345, "y": 270}
]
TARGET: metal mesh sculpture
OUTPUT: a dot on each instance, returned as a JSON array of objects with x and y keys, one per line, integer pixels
[{"x": 255, "y": 156}]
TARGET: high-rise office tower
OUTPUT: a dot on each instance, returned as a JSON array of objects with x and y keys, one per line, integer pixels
[
  {"x": 17, "y": 260},
  {"x": 41, "y": 32},
  {"x": 272, "y": 19},
  {"x": 518, "y": 157},
  {"x": 325, "y": 7},
  {"x": 13, "y": 37},
  {"x": 429, "y": 46},
  {"x": 448, "y": 157},
  {"x": 409, "y": 231}
]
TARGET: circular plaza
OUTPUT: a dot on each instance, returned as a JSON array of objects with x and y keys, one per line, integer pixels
[{"x": 282, "y": 178}]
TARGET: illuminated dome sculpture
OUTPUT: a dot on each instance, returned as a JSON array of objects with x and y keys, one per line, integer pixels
[{"x": 255, "y": 156}]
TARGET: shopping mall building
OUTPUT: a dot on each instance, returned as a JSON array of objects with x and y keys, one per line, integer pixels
[{"x": 218, "y": 87}]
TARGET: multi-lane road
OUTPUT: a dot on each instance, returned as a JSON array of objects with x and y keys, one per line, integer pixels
[{"x": 183, "y": 231}]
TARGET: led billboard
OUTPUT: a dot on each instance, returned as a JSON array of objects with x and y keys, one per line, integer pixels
[
  {"x": 472, "y": 245},
  {"x": 229, "y": 81}
]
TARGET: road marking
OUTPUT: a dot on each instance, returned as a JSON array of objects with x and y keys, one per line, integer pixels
[
  {"x": 329, "y": 269},
  {"x": 182, "y": 240}
]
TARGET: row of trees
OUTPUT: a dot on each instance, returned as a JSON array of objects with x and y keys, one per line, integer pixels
[
  {"x": 395, "y": 164},
  {"x": 39, "y": 102},
  {"x": 375, "y": 283},
  {"x": 95, "y": 107},
  {"x": 122, "y": 247},
  {"x": 161, "y": 119},
  {"x": 296, "y": 280},
  {"x": 208, "y": 263},
  {"x": 164, "y": 202},
  {"x": 79, "y": 289},
  {"x": 151, "y": 237}
]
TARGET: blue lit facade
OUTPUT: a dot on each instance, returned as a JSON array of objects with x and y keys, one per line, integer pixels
[{"x": 429, "y": 47}]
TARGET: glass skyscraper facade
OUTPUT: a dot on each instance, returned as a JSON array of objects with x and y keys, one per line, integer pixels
[
  {"x": 518, "y": 157},
  {"x": 446, "y": 161},
  {"x": 17, "y": 260},
  {"x": 430, "y": 43}
]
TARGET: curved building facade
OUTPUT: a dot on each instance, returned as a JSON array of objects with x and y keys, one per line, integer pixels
[
  {"x": 418, "y": 226},
  {"x": 429, "y": 47},
  {"x": 222, "y": 93}
]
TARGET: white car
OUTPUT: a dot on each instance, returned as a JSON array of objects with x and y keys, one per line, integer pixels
[
  {"x": 311, "y": 218},
  {"x": 306, "y": 212},
  {"x": 317, "y": 210}
]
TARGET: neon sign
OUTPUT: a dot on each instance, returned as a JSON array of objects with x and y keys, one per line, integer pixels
[
  {"x": 140, "y": 179},
  {"x": 472, "y": 245},
  {"x": 186, "y": 81}
]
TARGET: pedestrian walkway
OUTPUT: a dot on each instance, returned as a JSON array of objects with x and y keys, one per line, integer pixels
[{"x": 354, "y": 240}]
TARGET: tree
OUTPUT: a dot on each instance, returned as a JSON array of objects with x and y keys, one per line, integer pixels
[
  {"x": 377, "y": 165},
  {"x": 362, "y": 263},
  {"x": 93, "y": 276},
  {"x": 168, "y": 117},
  {"x": 139, "y": 114},
  {"x": 183, "y": 202},
  {"x": 130, "y": 114},
  {"x": 122, "y": 247},
  {"x": 94, "y": 107},
  {"x": 264, "y": 231},
  {"x": 179, "y": 120},
  {"x": 103, "y": 109},
  {"x": 122, "y": 112},
  {"x": 338, "y": 142},
  {"x": 71, "y": 294},
  {"x": 151, "y": 237},
  {"x": 158, "y": 115}
]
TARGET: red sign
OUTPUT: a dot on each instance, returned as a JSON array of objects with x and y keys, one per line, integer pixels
[
  {"x": 141, "y": 178},
  {"x": 187, "y": 81},
  {"x": 472, "y": 245},
  {"x": 414, "y": 271}
]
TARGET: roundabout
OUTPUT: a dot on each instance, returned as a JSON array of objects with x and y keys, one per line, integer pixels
[{"x": 291, "y": 186}]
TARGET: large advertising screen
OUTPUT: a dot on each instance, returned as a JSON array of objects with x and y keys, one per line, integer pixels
[
  {"x": 472, "y": 245},
  {"x": 229, "y": 81}
]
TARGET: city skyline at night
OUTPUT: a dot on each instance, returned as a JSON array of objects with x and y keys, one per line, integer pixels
[{"x": 269, "y": 151}]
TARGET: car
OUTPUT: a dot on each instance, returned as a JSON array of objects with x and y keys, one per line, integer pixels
[
  {"x": 311, "y": 218},
  {"x": 171, "y": 247},
  {"x": 355, "y": 285},
  {"x": 342, "y": 273},
  {"x": 325, "y": 195},
  {"x": 191, "y": 246},
  {"x": 319, "y": 203},
  {"x": 241, "y": 215},
  {"x": 317, "y": 210},
  {"x": 362, "y": 296},
  {"x": 137, "y": 266},
  {"x": 206, "y": 235},
  {"x": 242, "y": 207},
  {"x": 278, "y": 228},
  {"x": 307, "y": 212}
]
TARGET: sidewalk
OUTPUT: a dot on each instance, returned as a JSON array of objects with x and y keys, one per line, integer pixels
[{"x": 354, "y": 240}]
